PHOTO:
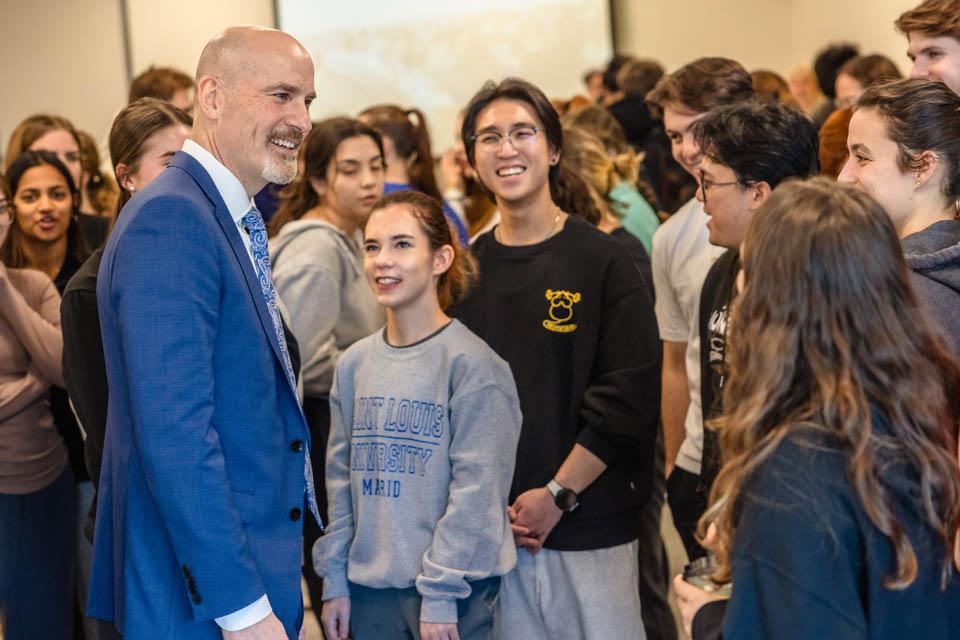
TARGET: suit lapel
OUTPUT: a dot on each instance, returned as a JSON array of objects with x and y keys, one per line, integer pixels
[{"x": 189, "y": 164}]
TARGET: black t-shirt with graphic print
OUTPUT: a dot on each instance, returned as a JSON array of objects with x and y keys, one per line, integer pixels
[
  {"x": 718, "y": 293},
  {"x": 577, "y": 327}
]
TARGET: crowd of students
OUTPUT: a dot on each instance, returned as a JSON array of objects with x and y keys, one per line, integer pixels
[{"x": 722, "y": 290}]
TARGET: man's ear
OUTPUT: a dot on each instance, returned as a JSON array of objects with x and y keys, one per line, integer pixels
[
  {"x": 760, "y": 192},
  {"x": 210, "y": 97}
]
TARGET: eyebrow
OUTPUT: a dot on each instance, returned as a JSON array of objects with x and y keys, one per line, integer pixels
[
  {"x": 168, "y": 154},
  {"x": 515, "y": 125},
  {"x": 857, "y": 146}
]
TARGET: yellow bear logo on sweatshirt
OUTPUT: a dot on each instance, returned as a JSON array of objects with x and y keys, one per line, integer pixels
[{"x": 560, "y": 311}]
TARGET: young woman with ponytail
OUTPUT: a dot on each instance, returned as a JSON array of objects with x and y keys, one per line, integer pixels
[
  {"x": 425, "y": 421},
  {"x": 409, "y": 156}
]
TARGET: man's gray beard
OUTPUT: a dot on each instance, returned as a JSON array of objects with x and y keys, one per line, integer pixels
[{"x": 279, "y": 170}]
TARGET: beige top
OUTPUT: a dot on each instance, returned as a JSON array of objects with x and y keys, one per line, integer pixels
[{"x": 32, "y": 454}]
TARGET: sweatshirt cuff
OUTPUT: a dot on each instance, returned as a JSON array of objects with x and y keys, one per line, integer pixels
[
  {"x": 598, "y": 446},
  {"x": 335, "y": 586},
  {"x": 439, "y": 610}
]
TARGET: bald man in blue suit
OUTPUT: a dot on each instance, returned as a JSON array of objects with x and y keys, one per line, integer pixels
[{"x": 205, "y": 478}]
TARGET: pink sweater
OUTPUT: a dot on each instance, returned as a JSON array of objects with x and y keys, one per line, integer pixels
[{"x": 32, "y": 454}]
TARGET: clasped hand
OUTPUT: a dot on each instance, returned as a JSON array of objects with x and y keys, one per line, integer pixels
[{"x": 533, "y": 515}]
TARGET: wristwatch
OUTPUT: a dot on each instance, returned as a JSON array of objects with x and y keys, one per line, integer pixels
[{"x": 565, "y": 499}]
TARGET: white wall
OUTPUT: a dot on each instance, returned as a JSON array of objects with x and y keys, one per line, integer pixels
[
  {"x": 67, "y": 57},
  {"x": 172, "y": 33},
  {"x": 63, "y": 57},
  {"x": 772, "y": 34}
]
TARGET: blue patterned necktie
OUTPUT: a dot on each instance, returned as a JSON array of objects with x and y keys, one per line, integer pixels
[{"x": 253, "y": 224}]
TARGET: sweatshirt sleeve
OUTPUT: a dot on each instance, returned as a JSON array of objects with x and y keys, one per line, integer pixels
[
  {"x": 311, "y": 294},
  {"x": 468, "y": 541},
  {"x": 331, "y": 549},
  {"x": 38, "y": 330},
  {"x": 621, "y": 405}
]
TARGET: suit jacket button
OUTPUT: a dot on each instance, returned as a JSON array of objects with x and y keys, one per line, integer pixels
[
  {"x": 296, "y": 446},
  {"x": 197, "y": 599},
  {"x": 295, "y": 514}
]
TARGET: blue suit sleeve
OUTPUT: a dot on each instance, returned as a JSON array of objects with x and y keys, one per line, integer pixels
[{"x": 166, "y": 281}]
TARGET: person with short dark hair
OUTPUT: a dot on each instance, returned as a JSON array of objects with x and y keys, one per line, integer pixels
[
  {"x": 562, "y": 303},
  {"x": 933, "y": 33},
  {"x": 634, "y": 80},
  {"x": 748, "y": 149},
  {"x": 826, "y": 66},
  {"x": 164, "y": 83},
  {"x": 681, "y": 257}
]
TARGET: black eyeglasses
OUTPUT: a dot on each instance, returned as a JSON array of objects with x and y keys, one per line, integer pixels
[{"x": 706, "y": 185}]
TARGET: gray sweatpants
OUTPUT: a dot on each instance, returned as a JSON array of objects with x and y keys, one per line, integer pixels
[{"x": 571, "y": 595}]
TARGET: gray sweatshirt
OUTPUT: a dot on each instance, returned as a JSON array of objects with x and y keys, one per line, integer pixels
[
  {"x": 422, "y": 447},
  {"x": 933, "y": 256},
  {"x": 318, "y": 272}
]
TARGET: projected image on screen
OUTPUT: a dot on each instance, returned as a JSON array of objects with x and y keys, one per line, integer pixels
[{"x": 435, "y": 54}]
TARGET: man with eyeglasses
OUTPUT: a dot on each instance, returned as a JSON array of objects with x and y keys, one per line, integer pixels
[
  {"x": 564, "y": 304},
  {"x": 748, "y": 149}
]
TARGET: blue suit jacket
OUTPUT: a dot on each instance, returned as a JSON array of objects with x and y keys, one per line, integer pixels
[{"x": 202, "y": 485}]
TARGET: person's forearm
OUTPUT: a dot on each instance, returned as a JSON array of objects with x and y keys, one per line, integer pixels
[
  {"x": 580, "y": 469},
  {"x": 674, "y": 401}
]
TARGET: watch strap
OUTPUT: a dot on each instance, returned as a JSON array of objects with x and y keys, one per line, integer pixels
[{"x": 554, "y": 488}]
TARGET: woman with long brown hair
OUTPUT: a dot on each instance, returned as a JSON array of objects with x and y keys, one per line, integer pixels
[
  {"x": 838, "y": 505},
  {"x": 409, "y": 156}
]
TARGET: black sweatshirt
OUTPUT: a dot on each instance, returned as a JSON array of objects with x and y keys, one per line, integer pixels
[{"x": 577, "y": 327}]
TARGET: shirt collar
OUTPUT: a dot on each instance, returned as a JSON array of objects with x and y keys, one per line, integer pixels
[{"x": 233, "y": 194}]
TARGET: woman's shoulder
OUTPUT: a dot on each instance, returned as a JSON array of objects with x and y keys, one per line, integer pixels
[{"x": 474, "y": 363}]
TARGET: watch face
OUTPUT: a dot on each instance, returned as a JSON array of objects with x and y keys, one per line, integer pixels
[{"x": 567, "y": 500}]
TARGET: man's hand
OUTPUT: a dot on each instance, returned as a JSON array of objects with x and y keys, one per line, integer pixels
[
  {"x": 438, "y": 631},
  {"x": 335, "y": 618},
  {"x": 521, "y": 535},
  {"x": 267, "y": 629},
  {"x": 536, "y": 516},
  {"x": 690, "y": 599}
]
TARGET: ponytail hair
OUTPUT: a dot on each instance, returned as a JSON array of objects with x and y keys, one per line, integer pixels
[
  {"x": 407, "y": 128},
  {"x": 463, "y": 272}
]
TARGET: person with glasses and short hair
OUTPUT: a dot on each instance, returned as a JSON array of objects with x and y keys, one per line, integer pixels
[
  {"x": 562, "y": 303},
  {"x": 681, "y": 256},
  {"x": 748, "y": 149}
]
